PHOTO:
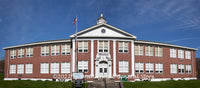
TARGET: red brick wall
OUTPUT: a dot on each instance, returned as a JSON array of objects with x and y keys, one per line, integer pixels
[
  {"x": 166, "y": 60},
  {"x": 121, "y": 57},
  {"x": 36, "y": 60}
]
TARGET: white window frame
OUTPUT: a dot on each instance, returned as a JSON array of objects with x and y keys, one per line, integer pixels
[
  {"x": 12, "y": 53},
  {"x": 149, "y": 68},
  {"x": 123, "y": 49},
  {"x": 29, "y": 68},
  {"x": 103, "y": 47},
  {"x": 148, "y": 52},
  {"x": 82, "y": 48},
  {"x": 159, "y": 68},
  {"x": 44, "y": 68},
  {"x": 187, "y": 54},
  {"x": 29, "y": 52},
  {"x": 20, "y": 52},
  {"x": 45, "y": 53},
  {"x": 123, "y": 66},
  {"x": 173, "y": 53},
  {"x": 66, "y": 49},
  {"x": 181, "y": 69},
  {"x": 159, "y": 53},
  {"x": 20, "y": 68},
  {"x": 173, "y": 68},
  {"x": 83, "y": 66},
  {"x": 55, "y": 68},
  {"x": 188, "y": 68},
  {"x": 140, "y": 67},
  {"x": 12, "y": 68},
  {"x": 65, "y": 67},
  {"x": 180, "y": 53},
  {"x": 54, "y": 48},
  {"x": 140, "y": 52}
]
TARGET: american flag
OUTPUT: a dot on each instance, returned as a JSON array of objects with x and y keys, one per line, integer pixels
[{"x": 74, "y": 21}]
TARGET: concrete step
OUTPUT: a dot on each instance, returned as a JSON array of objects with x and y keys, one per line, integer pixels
[{"x": 100, "y": 83}]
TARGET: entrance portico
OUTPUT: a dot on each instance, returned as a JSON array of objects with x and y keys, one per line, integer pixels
[{"x": 103, "y": 65}]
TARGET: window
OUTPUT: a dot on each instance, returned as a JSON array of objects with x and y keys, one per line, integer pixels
[
  {"x": 139, "y": 50},
  {"x": 181, "y": 69},
  {"x": 29, "y": 52},
  {"x": 12, "y": 69},
  {"x": 82, "y": 66},
  {"x": 180, "y": 53},
  {"x": 21, "y": 53},
  {"x": 45, "y": 50},
  {"x": 139, "y": 67},
  {"x": 54, "y": 67},
  {"x": 173, "y": 68},
  {"x": 158, "y": 51},
  {"x": 123, "y": 66},
  {"x": 20, "y": 69},
  {"x": 103, "y": 46},
  {"x": 65, "y": 67},
  {"x": 65, "y": 49},
  {"x": 159, "y": 68},
  {"x": 173, "y": 52},
  {"x": 29, "y": 68},
  {"x": 149, "y": 68},
  {"x": 188, "y": 69},
  {"x": 44, "y": 68},
  {"x": 123, "y": 47},
  {"x": 83, "y": 46},
  {"x": 55, "y": 50},
  {"x": 149, "y": 50},
  {"x": 13, "y": 53},
  {"x": 188, "y": 54}
]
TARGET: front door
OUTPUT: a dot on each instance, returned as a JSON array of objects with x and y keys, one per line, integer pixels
[{"x": 103, "y": 69}]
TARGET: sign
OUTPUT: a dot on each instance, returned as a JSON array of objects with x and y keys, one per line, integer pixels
[{"x": 78, "y": 75}]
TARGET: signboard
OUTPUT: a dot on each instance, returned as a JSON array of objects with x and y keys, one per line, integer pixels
[{"x": 78, "y": 75}]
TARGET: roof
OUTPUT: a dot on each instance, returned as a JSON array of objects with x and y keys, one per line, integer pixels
[
  {"x": 39, "y": 43},
  {"x": 163, "y": 44},
  {"x": 103, "y": 24}
]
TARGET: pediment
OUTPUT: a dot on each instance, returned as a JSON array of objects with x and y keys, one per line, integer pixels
[{"x": 103, "y": 30}]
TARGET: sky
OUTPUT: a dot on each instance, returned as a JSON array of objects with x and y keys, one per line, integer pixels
[{"x": 169, "y": 21}]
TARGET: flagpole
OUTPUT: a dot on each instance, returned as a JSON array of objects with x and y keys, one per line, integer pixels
[{"x": 76, "y": 62}]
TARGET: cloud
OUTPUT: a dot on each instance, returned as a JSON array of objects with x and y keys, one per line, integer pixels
[
  {"x": 177, "y": 40},
  {"x": 1, "y": 20}
]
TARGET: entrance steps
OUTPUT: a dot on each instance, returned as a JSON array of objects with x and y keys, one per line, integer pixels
[{"x": 105, "y": 83}]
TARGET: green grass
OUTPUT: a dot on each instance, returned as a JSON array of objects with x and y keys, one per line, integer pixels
[
  {"x": 52, "y": 84},
  {"x": 33, "y": 84},
  {"x": 164, "y": 84}
]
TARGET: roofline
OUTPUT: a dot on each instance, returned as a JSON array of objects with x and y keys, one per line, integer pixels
[
  {"x": 163, "y": 44},
  {"x": 38, "y": 43},
  {"x": 106, "y": 25}
]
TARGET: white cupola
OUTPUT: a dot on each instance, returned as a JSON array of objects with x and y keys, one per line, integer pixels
[{"x": 101, "y": 20}]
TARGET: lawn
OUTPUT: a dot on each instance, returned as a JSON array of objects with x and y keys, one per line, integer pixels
[
  {"x": 52, "y": 84},
  {"x": 164, "y": 84},
  {"x": 33, "y": 84}
]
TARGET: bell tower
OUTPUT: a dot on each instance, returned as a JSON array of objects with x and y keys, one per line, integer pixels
[{"x": 101, "y": 20}]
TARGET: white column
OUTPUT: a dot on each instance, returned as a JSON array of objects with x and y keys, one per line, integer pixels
[
  {"x": 73, "y": 56},
  {"x": 132, "y": 58},
  {"x": 114, "y": 57},
  {"x": 92, "y": 58}
]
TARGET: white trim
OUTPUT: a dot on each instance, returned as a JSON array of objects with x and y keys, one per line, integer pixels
[
  {"x": 73, "y": 56},
  {"x": 61, "y": 41},
  {"x": 132, "y": 58},
  {"x": 164, "y": 44},
  {"x": 92, "y": 57},
  {"x": 114, "y": 57}
]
